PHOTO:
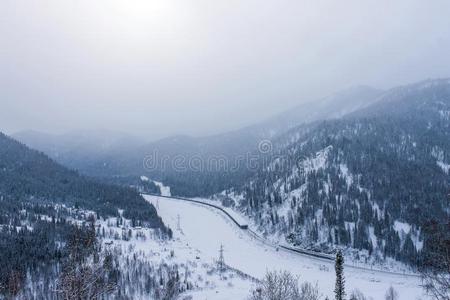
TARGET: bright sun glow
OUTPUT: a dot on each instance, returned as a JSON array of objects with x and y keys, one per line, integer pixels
[
  {"x": 144, "y": 15},
  {"x": 138, "y": 28}
]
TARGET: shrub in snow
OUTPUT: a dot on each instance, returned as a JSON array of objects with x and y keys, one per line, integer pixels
[
  {"x": 357, "y": 295},
  {"x": 277, "y": 286},
  {"x": 284, "y": 286},
  {"x": 309, "y": 291},
  {"x": 391, "y": 294}
]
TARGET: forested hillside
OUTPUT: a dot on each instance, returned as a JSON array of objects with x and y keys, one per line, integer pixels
[
  {"x": 28, "y": 175},
  {"x": 192, "y": 166},
  {"x": 370, "y": 181},
  {"x": 39, "y": 203}
]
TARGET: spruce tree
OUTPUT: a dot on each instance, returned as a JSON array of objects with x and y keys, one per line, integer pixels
[{"x": 339, "y": 289}]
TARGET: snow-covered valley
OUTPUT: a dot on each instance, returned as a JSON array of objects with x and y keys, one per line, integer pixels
[{"x": 204, "y": 230}]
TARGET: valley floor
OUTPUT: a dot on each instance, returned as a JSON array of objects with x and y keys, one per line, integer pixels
[{"x": 204, "y": 230}]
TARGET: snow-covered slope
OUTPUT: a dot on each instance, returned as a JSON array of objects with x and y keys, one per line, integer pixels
[
  {"x": 346, "y": 183},
  {"x": 206, "y": 229}
]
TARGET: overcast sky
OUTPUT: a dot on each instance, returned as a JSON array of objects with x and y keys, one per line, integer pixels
[{"x": 160, "y": 67}]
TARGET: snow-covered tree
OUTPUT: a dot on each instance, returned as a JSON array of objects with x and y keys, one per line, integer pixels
[{"x": 339, "y": 289}]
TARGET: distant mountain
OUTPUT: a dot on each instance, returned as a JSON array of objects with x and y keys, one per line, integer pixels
[
  {"x": 353, "y": 170},
  {"x": 30, "y": 176},
  {"x": 369, "y": 181},
  {"x": 192, "y": 166},
  {"x": 78, "y": 148},
  {"x": 334, "y": 106}
]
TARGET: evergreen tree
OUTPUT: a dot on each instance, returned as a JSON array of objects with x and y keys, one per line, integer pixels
[{"x": 339, "y": 289}]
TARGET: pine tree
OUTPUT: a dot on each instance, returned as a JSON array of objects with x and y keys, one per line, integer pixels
[{"x": 339, "y": 290}]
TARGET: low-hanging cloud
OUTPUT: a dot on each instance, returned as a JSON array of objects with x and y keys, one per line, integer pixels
[{"x": 160, "y": 67}]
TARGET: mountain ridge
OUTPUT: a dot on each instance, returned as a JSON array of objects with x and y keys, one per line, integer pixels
[
  {"x": 29, "y": 174},
  {"x": 360, "y": 182},
  {"x": 229, "y": 146}
]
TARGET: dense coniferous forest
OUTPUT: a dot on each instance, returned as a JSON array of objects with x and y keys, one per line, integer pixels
[
  {"x": 367, "y": 184},
  {"x": 191, "y": 166},
  {"x": 34, "y": 249},
  {"x": 225, "y": 150},
  {"x": 27, "y": 175},
  {"x": 370, "y": 181},
  {"x": 37, "y": 198},
  {"x": 141, "y": 184}
]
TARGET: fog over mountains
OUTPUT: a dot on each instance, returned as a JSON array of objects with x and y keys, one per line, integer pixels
[
  {"x": 362, "y": 181},
  {"x": 352, "y": 172},
  {"x": 105, "y": 153},
  {"x": 244, "y": 150},
  {"x": 362, "y": 147}
]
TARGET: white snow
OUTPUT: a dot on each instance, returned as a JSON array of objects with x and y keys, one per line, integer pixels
[
  {"x": 145, "y": 246},
  {"x": 445, "y": 114},
  {"x": 439, "y": 154},
  {"x": 318, "y": 162},
  {"x": 373, "y": 237},
  {"x": 297, "y": 193},
  {"x": 165, "y": 190},
  {"x": 417, "y": 242},
  {"x": 346, "y": 173},
  {"x": 445, "y": 167},
  {"x": 376, "y": 208},
  {"x": 229, "y": 210},
  {"x": 402, "y": 227},
  {"x": 206, "y": 229}
]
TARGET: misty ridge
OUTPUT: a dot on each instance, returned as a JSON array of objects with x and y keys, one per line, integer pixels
[
  {"x": 105, "y": 153},
  {"x": 276, "y": 150},
  {"x": 86, "y": 144},
  {"x": 343, "y": 175}
]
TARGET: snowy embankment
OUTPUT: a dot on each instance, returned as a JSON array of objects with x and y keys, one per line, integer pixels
[
  {"x": 235, "y": 215},
  {"x": 142, "y": 252},
  {"x": 205, "y": 229},
  {"x": 165, "y": 190}
]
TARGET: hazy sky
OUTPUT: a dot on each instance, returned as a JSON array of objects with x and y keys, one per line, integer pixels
[{"x": 159, "y": 67}]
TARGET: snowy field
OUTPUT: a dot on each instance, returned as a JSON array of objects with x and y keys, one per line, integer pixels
[
  {"x": 143, "y": 250},
  {"x": 204, "y": 229}
]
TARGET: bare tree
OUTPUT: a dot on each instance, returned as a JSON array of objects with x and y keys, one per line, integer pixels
[
  {"x": 436, "y": 265},
  {"x": 171, "y": 288},
  {"x": 309, "y": 291},
  {"x": 391, "y": 294},
  {"x": 357, "y": 295},
  {"x": 284, "y": 286},
  {"x": 277, "y": 286},
  {"x": 87, "y": 273},
  {"x": 85, "y": 281}
]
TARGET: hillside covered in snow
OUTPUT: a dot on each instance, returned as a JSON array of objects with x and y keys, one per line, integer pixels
[{"x": 369, "y": 182}]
